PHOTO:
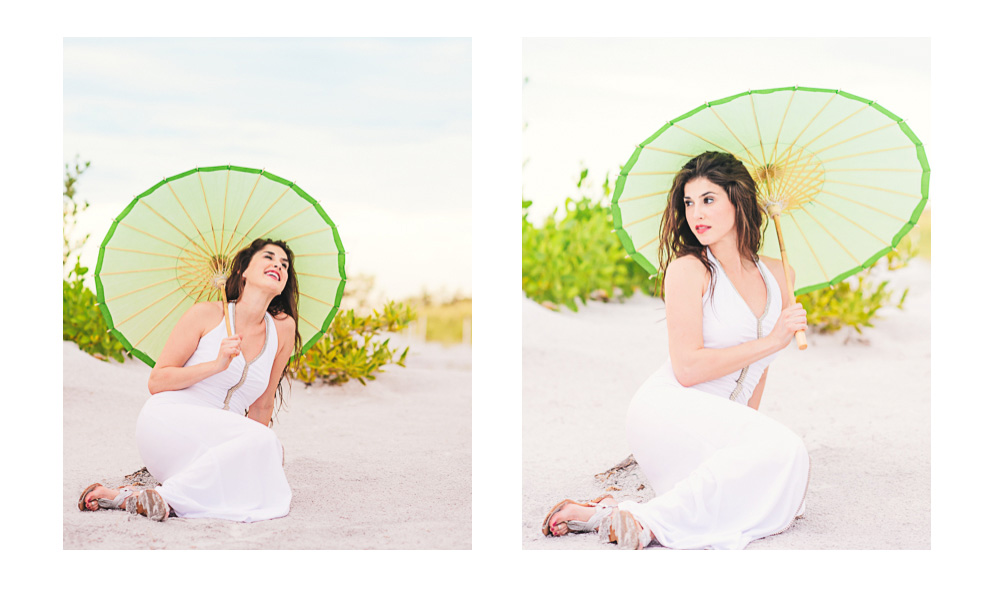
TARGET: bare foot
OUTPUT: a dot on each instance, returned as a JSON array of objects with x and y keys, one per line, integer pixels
[
  {"x": 102, "y": 492},
  {"x": 573, "y": 511}
]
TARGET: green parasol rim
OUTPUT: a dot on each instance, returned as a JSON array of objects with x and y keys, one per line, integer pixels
[
  {"x": 653, "y": 270},
  {"x": 341, "y": 259}
]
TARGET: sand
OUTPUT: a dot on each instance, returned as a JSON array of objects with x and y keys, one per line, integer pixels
[
  {"x": 861, "y": 403},
  {"x": 382, "y": 466}
]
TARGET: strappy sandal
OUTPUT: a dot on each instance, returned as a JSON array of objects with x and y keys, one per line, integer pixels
[
  {"x": 578, "y": 526},
  {"x": 622, "y": 528},
  {"x": 147, "y": 502}
]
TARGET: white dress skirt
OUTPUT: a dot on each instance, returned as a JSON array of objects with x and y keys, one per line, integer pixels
[
  {"x": 724, "y": 474},
  {"x": 211, "y": 460}
]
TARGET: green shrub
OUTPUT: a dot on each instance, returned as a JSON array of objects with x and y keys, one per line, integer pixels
[
  {"x": 82, "y": 321},
  {"x": 578, "y": 256},
  {"x": 349, "y": 349},
  {"x": 855, "y": 302}
]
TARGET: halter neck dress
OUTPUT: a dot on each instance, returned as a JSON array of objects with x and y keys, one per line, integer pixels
[
  {"x": 724, "y": 474},
  {"x": 211, "y": 460}
]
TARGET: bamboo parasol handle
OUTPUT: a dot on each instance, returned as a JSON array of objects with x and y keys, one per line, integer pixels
[
  {"x": 220, "y": 283},
  {"x": 799, "y": 335}
]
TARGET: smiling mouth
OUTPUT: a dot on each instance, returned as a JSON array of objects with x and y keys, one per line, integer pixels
[
  {"x": 275, "y": 275},
  {"x": 701, "y": 228}
]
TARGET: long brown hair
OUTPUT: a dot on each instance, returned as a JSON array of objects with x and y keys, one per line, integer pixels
[
  {"x": 677, "y": 239},
  {"x": 286, "y": 303}
]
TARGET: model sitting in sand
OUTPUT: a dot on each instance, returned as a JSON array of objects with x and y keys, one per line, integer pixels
[
  {"x": 211, "y": 461},
  {"x": 724, "y": 475}
]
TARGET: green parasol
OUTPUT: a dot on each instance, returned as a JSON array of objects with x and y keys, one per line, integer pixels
[
  {"x": 842, "y": 178},
  {"x": 175, "y": 242}
]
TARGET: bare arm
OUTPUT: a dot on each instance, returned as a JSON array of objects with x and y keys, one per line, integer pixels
[
  {"x": 262, "y": 409},
  {"x": 170, "y": 374},
  {"x": 685, "y": 283}
]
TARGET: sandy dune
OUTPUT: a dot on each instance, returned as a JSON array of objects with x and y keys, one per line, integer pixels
[
  {"x": 382, "y": 466},
  {"x": 860, "y": 402}
]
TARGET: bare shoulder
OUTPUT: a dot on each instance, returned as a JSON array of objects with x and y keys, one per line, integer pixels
[
  {"x": 285, "y": 326},
  {"x": 773, "y": 264},
  {"x": 203, "y": 315},
  {"x": 686, "y": 265},
  {"x": 687, "y": 271},
  {"x": 776, "y": 268}
]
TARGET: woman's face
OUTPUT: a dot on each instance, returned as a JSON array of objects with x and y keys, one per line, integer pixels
[
  {"x": 709, "y": 211},
  {"x": 268, "y": 268}
]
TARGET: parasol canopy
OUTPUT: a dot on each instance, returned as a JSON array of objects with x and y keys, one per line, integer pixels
[
  {"x": 850, "y": 177},
  {"x": 171, "y": 245},
  {"x": 842, "y": 178}
]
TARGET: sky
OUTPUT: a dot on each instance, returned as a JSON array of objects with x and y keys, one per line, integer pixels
[
  {"x": 589, "y": 102},
  {"x": 378, "y": 130}
]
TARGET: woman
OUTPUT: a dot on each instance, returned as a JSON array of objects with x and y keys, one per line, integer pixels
[
  {"x": 212, "y": 461},
  {"x": 724, "y": 475}
]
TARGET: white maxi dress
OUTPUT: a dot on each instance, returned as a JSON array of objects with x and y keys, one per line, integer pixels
[
  {"x": 724, "y": 474},
  {"x": 211, "y": 460}
]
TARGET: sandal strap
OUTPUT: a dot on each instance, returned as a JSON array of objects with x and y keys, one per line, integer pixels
[{"x": 115, "y": 503}]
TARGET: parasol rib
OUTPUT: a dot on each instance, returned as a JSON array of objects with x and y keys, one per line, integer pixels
[
  {"x": 318, "y": 254},
  {"x": 192, "y": 243},
  {"x": 901, "y": 193},
  {"x": 228, "y": 246},
  {"x": 874, "y": 170},
  {"x": 782, "y": 119},
  {"x": 188, "y": 215},
  {"x": 748, "y": 152},
  {"x": 648, "y": 195},
  {"x": 306, "y": 321},
  {"x": 644, "y": 218},
  {"x": 858, "y": 111},
  {"x": 322, "y": 230},
  {"x": 648, "y": 243},
  {"x": 851, "y": 221},
  {"x": 146, "y": 307},
  {"x": 117, "y": 249},
  {"x": 225, "y": 203},
  {"x": 859, "y": 135},
  {"x": 136, "y": 290},
  {"x": 211, "y": 221},
  {"x": 790, "y": 146},
  {"x": 828, "y": 160},
  {"x": 669, "y": 151},
  {"x": 706, "y": 140},
  {"x": 763, "y": 150},
  {"x": 160, "y": 321},
  {"x": 148, "y": 234},
  {"x": 868, "y": 206},
  {"x": 261, "y": 217},
  {"x": 829, "y": 233},
  {"x": 129, "y": 272},
  {"x": 268, "y": 231},
  {"x": 312, "y": 274},
  {"x": 316, "y": 299},
  {"x": 808, "y": 243}
]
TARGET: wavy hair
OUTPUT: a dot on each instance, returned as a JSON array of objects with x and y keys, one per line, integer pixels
[
  {"x": 286, "y": 303},
  {"x": 677, "y": 239}
]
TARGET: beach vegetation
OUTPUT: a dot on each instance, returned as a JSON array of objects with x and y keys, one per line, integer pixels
[
  {"x": 578, "y": 257},
  {"x": 352, "y": 350},
  {"x": 856, "y": 301},
  {"x": 82, "y": 321}
]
